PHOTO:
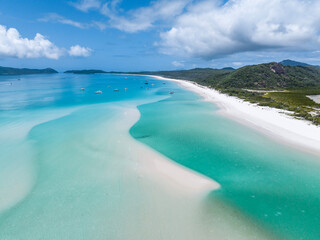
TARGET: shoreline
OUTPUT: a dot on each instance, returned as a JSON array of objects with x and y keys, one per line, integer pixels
[
  {"x": 189, "y": 180},
  {"x": 185, "y": 179},
  {"x": 272, "y": 122}
]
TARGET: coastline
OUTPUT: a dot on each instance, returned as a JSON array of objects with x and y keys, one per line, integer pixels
[
  {"x": 270, "y": 121},
  {"x": 159, "y": 165}
]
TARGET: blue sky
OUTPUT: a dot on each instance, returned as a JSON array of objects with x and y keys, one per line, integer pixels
[{"x": 140, "y": 35}]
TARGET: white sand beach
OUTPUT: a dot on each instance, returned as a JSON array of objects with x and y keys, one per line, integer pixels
[
  {"x": 273, "y": 122},
  {"x": 315, "y": 98}
]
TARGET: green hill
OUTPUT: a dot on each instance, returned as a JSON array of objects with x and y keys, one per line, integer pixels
[
  {"x": 20, "y": 71},
  {"x": 272, "y": 76},
  {"x": 263, "y": 76}
]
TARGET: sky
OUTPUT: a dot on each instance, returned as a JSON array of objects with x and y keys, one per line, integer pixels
[{"x": 143, "y": 35}]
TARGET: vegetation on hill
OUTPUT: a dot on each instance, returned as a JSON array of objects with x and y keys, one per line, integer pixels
[
  {"x": 20, "y": 71},
  {"x": 272, "y": 76},
  {"x": 294, "y": 100},
  {"x": 263, "y": 76},
  {"x": 91, "y": 71}
]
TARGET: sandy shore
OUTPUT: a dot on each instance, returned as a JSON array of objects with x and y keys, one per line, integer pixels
[
  {"x": 270, "y": 121},
  {"x": 155, "y": 163}
]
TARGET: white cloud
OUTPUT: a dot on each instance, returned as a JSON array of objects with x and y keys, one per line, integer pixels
[
  {"x": 56, "y": 18},
  {"x": 86, "y": 5},
  {"x": 177, "y": 64},
  {"x": 131, "y": 21},
  {"x": 78, "y": 51},
  {"x": 210, "y": 30},
  {"x": 100, "y": 25},
  {"x": 237, "y": 64},
  {"x": 13, "y": 45},
  {"x": 142, "y": 18}
]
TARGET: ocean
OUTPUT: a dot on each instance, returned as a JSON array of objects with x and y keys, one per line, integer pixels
[{"x": 75, "y": 164}]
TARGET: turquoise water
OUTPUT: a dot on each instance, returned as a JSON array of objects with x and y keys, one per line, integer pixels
[
  {"x": 55, "y": 179},
  {"x": 276, "y": 186},
  {"x": 68, "y": 170}
]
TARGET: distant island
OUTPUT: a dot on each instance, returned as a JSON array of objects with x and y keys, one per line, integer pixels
[
  {"x": 21, "y": 71},
  {"x": 91, "y": 71}
]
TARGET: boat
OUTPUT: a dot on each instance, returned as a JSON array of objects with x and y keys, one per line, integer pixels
[
  {"x": 171, "y": 92},
  {"x": 82, "y": 89},
  {"x": 146, "y": 83},
  {"x": 108, "y": 87},
  {"x": 116, "y": 90},
  {"x": 126, "y": 89},
  {"x": 98, "y": 92}
]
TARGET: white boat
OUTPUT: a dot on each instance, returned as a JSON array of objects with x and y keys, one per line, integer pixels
[{"x": 98, "y": 92}]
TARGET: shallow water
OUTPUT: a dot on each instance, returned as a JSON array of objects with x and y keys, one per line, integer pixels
[
  {"x": 28, "y": 101},
  {"x": 70, "y": 170},
  {"x": 274, "y": 185}
]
